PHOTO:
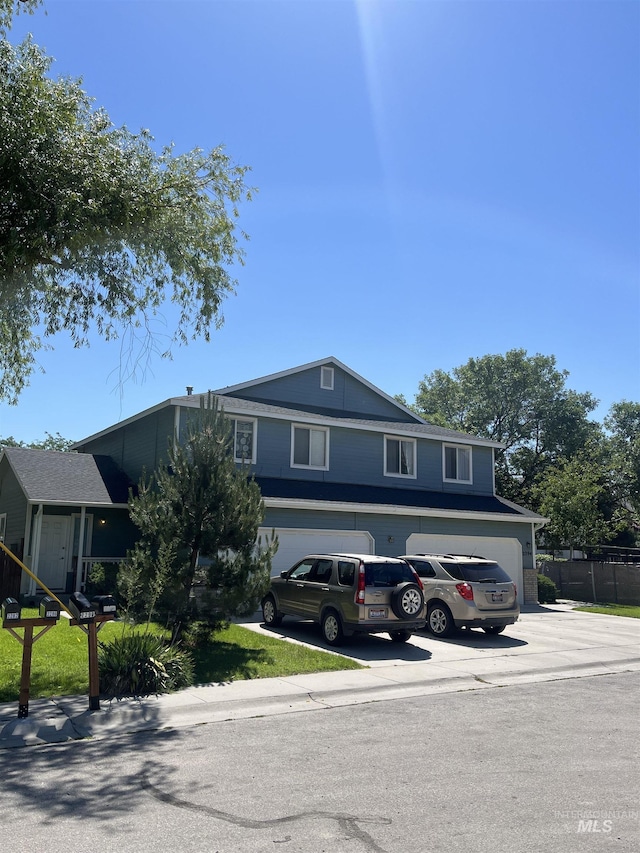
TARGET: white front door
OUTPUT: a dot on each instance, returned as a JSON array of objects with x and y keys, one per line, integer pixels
[{"x": 54, "y": 562}]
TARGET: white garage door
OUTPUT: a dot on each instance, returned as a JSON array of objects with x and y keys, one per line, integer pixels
[
  {"x": 507, "y": 552},
  {"x": 294, "y": 544}
]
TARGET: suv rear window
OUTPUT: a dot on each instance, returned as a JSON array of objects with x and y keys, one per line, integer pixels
[
  {"x": 387, "y": 574},
  {"x": 477, "y": 572}
]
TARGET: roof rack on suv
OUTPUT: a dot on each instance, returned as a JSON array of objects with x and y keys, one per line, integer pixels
[{"x": 453, "y": 556}]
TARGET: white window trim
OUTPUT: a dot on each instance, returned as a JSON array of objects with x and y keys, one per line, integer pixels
[
  {"x": 254, "y": 444},
  {"x": 309, "y": 427},
  {"x": 412, "y": 441},
  {"x": 327, "y": 373},
  {"x": 3, "y": 526},
  {"x": 466, "y": 447}
]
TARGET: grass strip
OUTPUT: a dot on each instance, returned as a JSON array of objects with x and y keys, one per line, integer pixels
[
  {"x": 59, "y": 662},
  {"x": 629, "y": 610}
]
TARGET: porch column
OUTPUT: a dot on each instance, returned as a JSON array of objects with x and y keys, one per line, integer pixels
[
  {"x": 35, "y": 550},
  {"x": 79, "y": 584}
]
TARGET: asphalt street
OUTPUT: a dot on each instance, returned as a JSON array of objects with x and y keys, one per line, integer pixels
[{"x": 544, "y": 766}]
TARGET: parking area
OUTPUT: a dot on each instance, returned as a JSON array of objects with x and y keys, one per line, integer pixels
[{"x": 541, "y": 630}]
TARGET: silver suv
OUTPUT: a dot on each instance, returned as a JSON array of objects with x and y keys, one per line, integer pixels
[
  {"x": 465, "y": 592},
  {"x": 348, "y": 594}
]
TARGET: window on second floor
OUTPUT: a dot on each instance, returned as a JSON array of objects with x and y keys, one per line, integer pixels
[
  {"x": 457, "y": 463},
  {"x": 309, "y": 447},
  {"x": 399, "y": 457},
  {"x": 244, "y": 440}
]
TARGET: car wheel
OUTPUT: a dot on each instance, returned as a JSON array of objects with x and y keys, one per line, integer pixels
[
  {"x": 332, "y": 628},
  {"x": 407, "y": 600},
  {"x": 400, "y": 636},
  {"x": 270, "y": 615},
  {"x": 440, "y": 620},
  {"x": 494, "y": 629}
]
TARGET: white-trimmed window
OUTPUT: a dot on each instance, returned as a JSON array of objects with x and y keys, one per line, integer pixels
[
  {"x": 309, "y": 447},
  {"x": 326, "y": 378},
  {"x": 244, "y": 440},
  {"x": 399, "y": 457},
  {"x": 456, "y": 463}
]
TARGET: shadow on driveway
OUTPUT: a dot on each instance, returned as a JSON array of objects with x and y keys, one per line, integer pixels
[{"x": 361, "y": 647}]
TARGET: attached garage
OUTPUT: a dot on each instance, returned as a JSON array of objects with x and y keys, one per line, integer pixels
[
  {"x": 505, "y": 551},
  {"x": 296, "y": 543}
]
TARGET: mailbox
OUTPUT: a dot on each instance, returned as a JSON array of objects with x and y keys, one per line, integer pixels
[
  {"x": 10, "y": 610},
  {"x": 49, "y": 608},
  {"x": 81, "y": 608},
  {"x": 104, "y": 604}
]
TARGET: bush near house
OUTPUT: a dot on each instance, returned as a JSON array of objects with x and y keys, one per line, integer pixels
[{"x": 547, "y": 590}]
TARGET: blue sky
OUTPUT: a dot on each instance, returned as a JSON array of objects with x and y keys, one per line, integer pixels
[{"x": 437, "y": 181}]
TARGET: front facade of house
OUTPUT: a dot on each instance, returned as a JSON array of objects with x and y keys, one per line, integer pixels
[{"x": 341, "y": 466}]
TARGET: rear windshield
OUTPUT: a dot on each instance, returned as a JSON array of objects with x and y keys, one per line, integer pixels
[
  {"x": 387, "y": 574},
  {"x": 477, "y": 572}
]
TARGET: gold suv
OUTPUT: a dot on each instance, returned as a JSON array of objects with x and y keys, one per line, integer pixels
[
  {"x": 348, "y": 594},
  {"x": 465, "y": 592}
]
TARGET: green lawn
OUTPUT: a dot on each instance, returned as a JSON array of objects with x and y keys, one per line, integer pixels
[
  {"x": 632, "y": 611},
  {"x": 59, "y": 664}
]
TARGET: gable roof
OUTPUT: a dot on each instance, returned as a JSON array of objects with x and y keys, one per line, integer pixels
[
  {"x": 233, "y": 405},
  {"x": 57, "y": 477},
  {"x": 331, "y": 361}
]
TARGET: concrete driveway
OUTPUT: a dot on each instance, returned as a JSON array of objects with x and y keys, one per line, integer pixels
[{"x": 555, "y": 631}]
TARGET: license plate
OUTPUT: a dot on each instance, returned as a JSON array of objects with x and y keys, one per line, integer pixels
[
  {"x": 496, "y": 596},
  {"x": 377, "y": 612}
]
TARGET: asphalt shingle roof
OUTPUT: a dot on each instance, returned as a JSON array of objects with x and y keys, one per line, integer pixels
[
  {"x": 411, "y": 498},
  {"x": 55, "y": 477},
  {"x": 256, "y": 406}
]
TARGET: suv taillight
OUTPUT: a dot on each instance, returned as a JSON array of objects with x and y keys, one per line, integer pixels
[
  {"x": 416, "y": 577},
  {"x": 515, "y": 591},
  {"x": 361, "y": 585},
  {"x": 465, "y": 591}
]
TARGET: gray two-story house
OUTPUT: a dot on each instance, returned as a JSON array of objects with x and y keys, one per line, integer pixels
[{"x": 342, "y": 467}]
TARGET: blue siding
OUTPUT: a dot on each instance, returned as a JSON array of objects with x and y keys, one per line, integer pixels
[
  {"x": 14, "y": 503},
  {"x": 137, "y": 446},
  {"x": 390, "y": 532},
  {"x": 357, "y": 456},
  {"x": 302, "y": 390}
]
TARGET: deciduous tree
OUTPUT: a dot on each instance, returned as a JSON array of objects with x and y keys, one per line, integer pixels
[
  {"x": 99, "y": 230},
  {"x": 519, "y": 400}
]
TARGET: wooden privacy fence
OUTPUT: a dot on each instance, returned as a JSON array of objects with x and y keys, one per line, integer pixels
[{"x": 600, "y": 583}]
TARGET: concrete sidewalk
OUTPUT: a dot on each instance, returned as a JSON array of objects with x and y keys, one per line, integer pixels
[{"x": 546, "y": 644}]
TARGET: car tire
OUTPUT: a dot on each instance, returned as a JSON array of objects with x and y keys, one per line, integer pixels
[
  {"x": 331, "y": 626},
  {"x": 400, "y": 636},
  {"x": 494, "y": 629},
  {"x": 407, "y": 600},
  {"x": 439, "y": 620},
  {"x": 270, "y": 615}
]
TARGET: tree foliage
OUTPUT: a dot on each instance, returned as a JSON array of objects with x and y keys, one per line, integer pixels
[
  {"x": 198, "y": 517},
  {"x": 555, "y": 460},
  {"x": 49, "y": 442},
  {"x": 570, "y": 494},
  {"x": 623, "y": 424},
  {"x": 98, "y": 229},
  {"x": 518, "y": 400}
]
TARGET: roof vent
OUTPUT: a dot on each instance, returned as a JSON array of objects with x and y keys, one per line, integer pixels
[{"x": 189, "y": 390}]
